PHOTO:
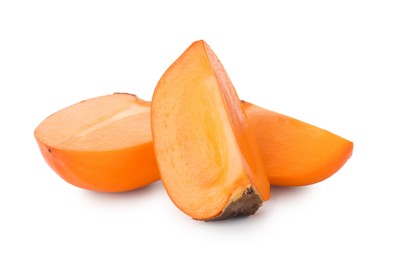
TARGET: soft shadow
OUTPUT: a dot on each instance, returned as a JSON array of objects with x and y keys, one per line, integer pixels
[
  {"x": 287, "y": 193},
  {"x": 137, "y": 194},
  {"x": 279, "y": 195},
  {"x": 235, "y": 225},
  {"x": 233, "y": 221}
]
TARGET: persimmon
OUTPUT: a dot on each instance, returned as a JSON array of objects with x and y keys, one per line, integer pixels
[
  {"x": 296, "y": 153},
  {"x": 105, "y": 143},
  {"x": 101, "y": 144},
  {"x": 208, "y": 158}
]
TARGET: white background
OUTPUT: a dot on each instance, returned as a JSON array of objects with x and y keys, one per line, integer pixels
[{"x": 329, "y": 63}]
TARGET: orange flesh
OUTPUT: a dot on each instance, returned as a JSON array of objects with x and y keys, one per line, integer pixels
[
  {"x": 296, "y": 153},
  {"x": 99, "y": 124},
  {"x": 101, "y": 144},
  {"x": 198, "y": 135}
]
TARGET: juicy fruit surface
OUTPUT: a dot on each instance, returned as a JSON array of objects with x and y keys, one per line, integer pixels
[
  {"x": 194, "y": 139},
  {"x": 103, "y": 123},
  {"x": 101, "y": 144},
  {"x": 296, "y": 153}
]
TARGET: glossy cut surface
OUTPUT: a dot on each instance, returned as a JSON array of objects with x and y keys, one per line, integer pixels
[
  {"x": 201, "y": 137},
  {"x": 101, "y": 144}
]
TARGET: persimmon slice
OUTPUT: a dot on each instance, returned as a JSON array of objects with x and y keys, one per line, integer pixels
[
  {"x": 206, "y": 151},
  {"x": 101, "y": 144},
  {"x": 296, "y": 153}
]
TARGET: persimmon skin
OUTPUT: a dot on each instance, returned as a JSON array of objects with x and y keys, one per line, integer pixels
[
  {"x": 296, "y": 153},
  {"x": 107, "y": 171}
]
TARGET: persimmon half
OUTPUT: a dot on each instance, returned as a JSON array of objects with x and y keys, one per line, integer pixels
[
  {"x": 208, "y": 158},
  {"x": 296, "y": 153},
  {"x": 102, "y": 144}
]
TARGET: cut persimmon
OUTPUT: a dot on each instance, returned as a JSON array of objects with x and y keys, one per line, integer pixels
[
  {"x": 101, "y": 144},
  {"x": 296, "y": 153},
  {"x": 208, "y": 158}
]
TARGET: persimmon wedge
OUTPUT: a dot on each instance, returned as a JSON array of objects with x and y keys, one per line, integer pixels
[
  {"x": 208, "y": 158},
  {"x": 296, "y": 153},
  {"x": 102, "y": 144}
]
